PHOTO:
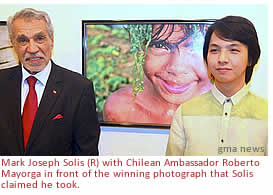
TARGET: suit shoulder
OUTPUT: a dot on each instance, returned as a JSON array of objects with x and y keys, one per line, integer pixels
[
  {"x": 73, "y": 77},
  {"x": 7, "y": 75},
  {"x": 8, "y": 71}
]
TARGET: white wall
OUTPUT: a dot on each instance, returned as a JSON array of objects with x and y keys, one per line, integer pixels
[{"x": 68, "y": 53}]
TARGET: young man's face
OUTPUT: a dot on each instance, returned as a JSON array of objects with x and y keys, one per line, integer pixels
[
  {"x": 227, "y": 61},
  {"x": 32, "y": 43},
  {"x": 175, "y": 66}
]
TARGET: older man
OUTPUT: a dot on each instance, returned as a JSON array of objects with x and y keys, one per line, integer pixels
[{"x": 45, "y": 109}]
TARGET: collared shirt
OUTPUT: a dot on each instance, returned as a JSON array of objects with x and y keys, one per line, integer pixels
[
  {"x": 41, "y": 77},
  {"x": 227, "y": 103},
  {"x": 212, "y": 124}
]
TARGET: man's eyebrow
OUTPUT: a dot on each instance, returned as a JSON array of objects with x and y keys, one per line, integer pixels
[
  {"x": 37, "y": 34},
  {"x": 21, "y": 35},
  {"x": 234, "y": 45},
  {"x": 40, "y": 33},
  {"x": 231, "y": 45},
  {"x": 213, "y": 45}
]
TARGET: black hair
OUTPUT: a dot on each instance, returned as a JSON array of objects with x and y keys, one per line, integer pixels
[
  {"x": 240, "y": 29},
  {"x": 166, "y": 31}
]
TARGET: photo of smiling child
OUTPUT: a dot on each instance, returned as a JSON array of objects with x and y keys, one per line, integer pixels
[{"x": 174, "y": 72}]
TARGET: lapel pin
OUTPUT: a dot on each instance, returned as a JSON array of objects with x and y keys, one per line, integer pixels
[{"x": 54, "y": 92}]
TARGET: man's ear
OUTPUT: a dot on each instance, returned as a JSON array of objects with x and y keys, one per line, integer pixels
[
  {"x": 52, "y": 41},
  {"x": 210, "y": 76},
  {"x": 205, "y": 63},
  {"x": 11, "y": 42},
  {"x": 249, "y": 63}
]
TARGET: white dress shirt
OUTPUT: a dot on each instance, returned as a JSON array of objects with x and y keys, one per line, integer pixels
[{"x": 41, "y": 77}]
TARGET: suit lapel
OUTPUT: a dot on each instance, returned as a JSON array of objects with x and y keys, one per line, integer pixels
[
  {"x": 15, "y": 112},
  {"x": 51, "y": 94}
]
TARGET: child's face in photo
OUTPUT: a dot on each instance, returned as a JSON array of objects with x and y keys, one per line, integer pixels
[
  {"x": 174, "y": 64},
  {"x": 227, "y": 60}
]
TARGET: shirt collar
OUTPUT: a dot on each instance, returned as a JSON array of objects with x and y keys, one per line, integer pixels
[
  {"x": 235, "y": 98},
  {"x": 40, "y": 76}
]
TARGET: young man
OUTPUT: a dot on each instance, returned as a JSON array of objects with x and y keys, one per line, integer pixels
[
  {"x": 229, "y": 119},
  {"x": 45, "y": 109}
]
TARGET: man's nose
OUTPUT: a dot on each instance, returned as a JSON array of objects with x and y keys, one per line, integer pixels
[
  {"x": 223, "y": 57},
  {"x": 32, "y": 47}
]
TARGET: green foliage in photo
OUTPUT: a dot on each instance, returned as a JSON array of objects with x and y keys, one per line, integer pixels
[
  {"x": 108, "y": 60},
  {"x": 140, "y": 37}
]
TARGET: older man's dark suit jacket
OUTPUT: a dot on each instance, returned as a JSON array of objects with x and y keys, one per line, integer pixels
[{"x": 66, "y": 93}]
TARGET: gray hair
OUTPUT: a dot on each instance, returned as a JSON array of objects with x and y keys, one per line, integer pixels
[{"x": 30, "y": 13}]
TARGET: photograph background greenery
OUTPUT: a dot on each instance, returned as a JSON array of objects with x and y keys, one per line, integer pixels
[{"x": 109, "y": 61}]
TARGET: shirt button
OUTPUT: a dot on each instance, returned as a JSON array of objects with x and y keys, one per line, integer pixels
[{"x": 226, "y": 113}]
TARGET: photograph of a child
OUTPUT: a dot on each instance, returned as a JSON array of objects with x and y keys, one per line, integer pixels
[{"x": 173, "y": 70}]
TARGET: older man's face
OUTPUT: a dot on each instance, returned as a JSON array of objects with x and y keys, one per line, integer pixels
[{"x": 32, "y": 43}]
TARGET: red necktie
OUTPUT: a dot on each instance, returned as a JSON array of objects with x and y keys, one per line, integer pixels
[{"x": 30, "y": 109}]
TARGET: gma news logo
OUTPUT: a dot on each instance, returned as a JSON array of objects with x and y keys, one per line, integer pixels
[{"x": 234, "y": 149}]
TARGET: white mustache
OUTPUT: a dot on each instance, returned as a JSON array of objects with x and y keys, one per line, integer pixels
[{"x": 32, "y": 56}]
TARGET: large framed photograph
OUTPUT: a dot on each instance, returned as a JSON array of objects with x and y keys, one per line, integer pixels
[
  {"x": 143, "y": 70},
  {"x": 7, "y": 56}
]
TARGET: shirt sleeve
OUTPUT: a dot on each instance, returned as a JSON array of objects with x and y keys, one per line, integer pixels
[{"x": 177, "y": 140}]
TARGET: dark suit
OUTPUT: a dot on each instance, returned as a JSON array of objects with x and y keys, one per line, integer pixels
[{"x": 66, "y": 93}]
